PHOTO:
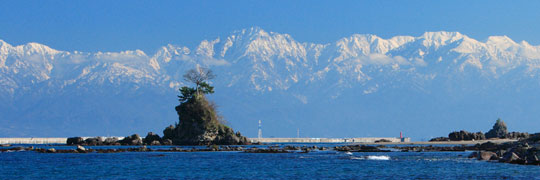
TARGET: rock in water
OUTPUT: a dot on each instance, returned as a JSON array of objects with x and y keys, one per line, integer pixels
[
  {"x": 200, "y": 125},
  {"x": 74, "y": 140},
  {"x": 111, "y": 141},
  {"x": 51, "y": 150},
  {"x": 152, "y": 139},
  {"x": 81, "y": 149},
  {"x": 134, "y": 139},
  {"x": 509, "y": 157},
  {"x": 166, "y": 142},
  {"x": 487, "y": 155}
]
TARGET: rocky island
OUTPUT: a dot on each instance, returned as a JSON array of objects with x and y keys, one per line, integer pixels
[
  {"x": 499, "y": 131},
  {"x": 199, "y": 123}
]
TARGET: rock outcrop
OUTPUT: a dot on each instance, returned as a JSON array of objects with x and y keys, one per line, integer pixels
[
  {"x": 74, "y": 140},
  {"x": 200, "y": 125},
  {"x": 499, "y": 130},
  {"x": 152, "y": 139},
  {"x": 465, "y": 136},
  {"x": 93, "y": 141},
  {"x": 439, "y": 139},
  {"x": 134, "y": 139},
  {"x": 526, "y": 151},
  {"x": 517, "y": 135}
]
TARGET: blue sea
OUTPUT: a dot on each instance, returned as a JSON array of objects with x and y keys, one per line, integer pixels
[{"x": 239, "y": 165}]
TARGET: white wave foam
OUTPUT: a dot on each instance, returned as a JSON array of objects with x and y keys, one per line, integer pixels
[{"x": 378, "y": 157}]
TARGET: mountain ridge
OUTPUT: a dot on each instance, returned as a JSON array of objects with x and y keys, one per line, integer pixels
[{"x": 253, "y": 64}]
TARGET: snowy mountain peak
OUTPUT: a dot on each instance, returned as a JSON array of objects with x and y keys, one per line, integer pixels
[
  {"x": 255, "y": 32},
  {"x": 206, "y": 48},
  {"x": 3, "y": 43},
  {"x": 502, "y": 42},
  {"x": 4, "y": 47},
  {"x": 440, "y": 38},
  {"x": 267, "y": 61},
  {"x": 36, "y": 48}
]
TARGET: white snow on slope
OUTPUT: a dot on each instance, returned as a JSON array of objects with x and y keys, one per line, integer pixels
[{"x": 262, "y": 61}]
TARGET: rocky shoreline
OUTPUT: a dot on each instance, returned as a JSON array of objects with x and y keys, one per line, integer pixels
[{"x": 526, "y": 152}]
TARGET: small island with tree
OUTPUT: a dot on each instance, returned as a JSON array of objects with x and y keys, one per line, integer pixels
[{"x": 199, "y": 122}]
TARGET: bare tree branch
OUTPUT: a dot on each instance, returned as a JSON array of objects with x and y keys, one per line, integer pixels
[{"x": 198, "y": 76}]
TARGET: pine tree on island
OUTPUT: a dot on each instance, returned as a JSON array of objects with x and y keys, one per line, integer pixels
[{"x": 199, "y": 122}]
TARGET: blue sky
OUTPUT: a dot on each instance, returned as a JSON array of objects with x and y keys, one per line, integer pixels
[{"x": 104, "y": 25}]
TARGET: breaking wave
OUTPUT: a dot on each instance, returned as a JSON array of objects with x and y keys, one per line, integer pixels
[{"x": 378, "y": 157}]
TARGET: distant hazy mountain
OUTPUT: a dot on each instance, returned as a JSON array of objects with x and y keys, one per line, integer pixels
[{"x": 361, "y": 85}]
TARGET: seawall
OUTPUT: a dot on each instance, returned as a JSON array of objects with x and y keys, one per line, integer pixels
[
  {"x": 253, "y": 140},
  {"x": 328, "y": 140},
  {"x": 42, "y": 140},
  {"x": 33, "y": 140}
]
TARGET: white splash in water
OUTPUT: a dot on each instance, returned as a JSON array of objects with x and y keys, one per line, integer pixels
[{"x": 378, "y": 157}]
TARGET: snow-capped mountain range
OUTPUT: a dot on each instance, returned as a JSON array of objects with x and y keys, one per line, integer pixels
[{"x": 42, "y": 87}]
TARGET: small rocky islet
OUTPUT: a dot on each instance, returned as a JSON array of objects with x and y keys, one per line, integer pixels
[
  {"x": 199, "y": 122},
  {"x": 499, "y": 131}
]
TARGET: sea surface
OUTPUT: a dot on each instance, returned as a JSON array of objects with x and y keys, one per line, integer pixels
[{"x": 239, "y": 165}]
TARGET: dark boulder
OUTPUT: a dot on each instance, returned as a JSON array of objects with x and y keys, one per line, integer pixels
[
  {"x": 509, "y": 157},
  {"x": 166, "y": 142},
  {"x": 382, "y": 141},
  {"x": 488, "y": 146},
  {"x": 151, "y": 138},
  {"x": 111, "y": 141},
  {"x": 439, "y": 139},
  {"x": 532, "y": 158},
  {"x": 487, "y": 156},
  {"x": 534, "y": 138},
  {"x": 465, "y": 136},
  {"x": 168, "y": 133},
  {"x": 74, "y": 140},
  {"x": 95, "y": 141},
  {"x": 134, "y": 139},
  {"x": 517, "y": 135}
]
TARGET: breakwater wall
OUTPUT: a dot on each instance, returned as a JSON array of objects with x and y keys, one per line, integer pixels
[
  {"x": 33, "y": 140},
  {"x": 253, "y": 140},
  {"x": 42, "y": 140},
  {"x": 329, "y": 140}
]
